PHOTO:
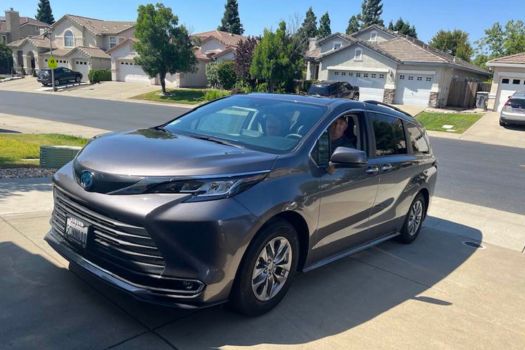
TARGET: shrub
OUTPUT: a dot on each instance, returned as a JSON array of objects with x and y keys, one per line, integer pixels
[
  {"x": 214, "y": 94},
  {"x": 98, "y": 75},
  {"x": 226, "y": 74},
  {"x": 212, "y": 74},
  {"x": 262, "y": 87}
]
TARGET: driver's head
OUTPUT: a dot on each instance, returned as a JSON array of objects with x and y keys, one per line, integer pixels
[
  {"x": 274, "y": 125},
  {"x": 338, "y": 128}
]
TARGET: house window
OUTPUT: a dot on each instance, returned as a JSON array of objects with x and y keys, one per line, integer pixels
[
  {"x": 505, "y": 81},
  {"x": 410, "y": 77},
  {"x": 350, "y": 74},
  {"x": 69, "y": 39},
  {"x": 343, "y": 73},
  {"x": 402, "y": 77},
  {"x": 419, "y": 78},
  {"x": 337, "y": 45},
  {"x": 365, "y": 75},
  {"x": 429, "y": 79},
  {"x": 112, "y": 41},
  {"x": 382, "y": 76},
  {"x": 358, "y": 55},
  {"x": 515, "y": 81},
  {"x": 336, "y": 73},
  {"x": 358, "y": 75},
  {"x": 373, "y": 36},
  {"x": 374, "y": 75}
]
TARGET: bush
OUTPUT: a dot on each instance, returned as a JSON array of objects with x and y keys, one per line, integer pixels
[
  {"x": 214, "y": 94},
  {"x": 226, "y": 74},
  {"x": 98, "y": 75},
  {"x": 212, "y": 74},
  {"x": 262, "y": 87}
]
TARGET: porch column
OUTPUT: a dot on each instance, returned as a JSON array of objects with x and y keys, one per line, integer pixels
[
  {"x": 26, "y": 64},
  {"x": 15, "y": 61}
]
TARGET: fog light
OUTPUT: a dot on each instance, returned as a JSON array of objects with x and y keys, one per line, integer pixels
[{"x": 188, "y": 285}]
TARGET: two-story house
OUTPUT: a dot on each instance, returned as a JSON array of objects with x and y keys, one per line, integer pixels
[
  {"x": 78, "y": 43},
  {"x": 14, "y": 27},
  {"x": 389, "y": 67},
  {"x": 212, "y": 46}
]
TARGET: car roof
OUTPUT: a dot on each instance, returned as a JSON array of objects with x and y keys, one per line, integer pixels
[
  {"x": 520, "y": 95},
  {"x": 327, "y": 82}
]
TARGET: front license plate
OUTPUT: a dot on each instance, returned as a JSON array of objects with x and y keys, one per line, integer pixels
[{"x": 76, "y": 231}]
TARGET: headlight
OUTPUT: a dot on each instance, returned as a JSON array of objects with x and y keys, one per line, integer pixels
[{"x": 208, "y": 189}]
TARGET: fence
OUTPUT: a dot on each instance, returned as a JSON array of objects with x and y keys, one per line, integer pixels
[{"x": 462, "y": 93}]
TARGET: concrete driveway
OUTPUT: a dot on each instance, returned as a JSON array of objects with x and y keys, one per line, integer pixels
[
  {"x": 108, "y": 90},
  {"x": 436, "y": 293}
]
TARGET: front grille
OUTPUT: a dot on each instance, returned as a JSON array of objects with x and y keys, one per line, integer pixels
[{"x": 126, "y": 250}]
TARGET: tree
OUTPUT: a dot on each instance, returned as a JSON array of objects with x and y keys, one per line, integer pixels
[
  {"x": 231, "y": 22},
  {"x": 403, "y": 27},
  {"x": 163, "y": 46},
  {"x": 353, "y": 25},
  {"x": 324, "y": 26},
  {"x": 243, "y": 58},
  {"x": 212, "y": 74},
  {"x": 275, "y": 60},
  {"x": 44, "y": 12},
  {"x": 371, "y": 11},
  {"x": 454, "y": 42},
  {"x": 501, "y": 41},
  {"x": 6, "y": 59},
  {"x": 307, "y": 30},
  {"x": 226, "y": 74}
]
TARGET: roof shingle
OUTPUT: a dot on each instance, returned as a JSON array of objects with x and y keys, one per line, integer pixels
[
  {"x": 226, "y": 38},
  {"x": 101, "y": 27},
  {"x": 518, "y": 58}
]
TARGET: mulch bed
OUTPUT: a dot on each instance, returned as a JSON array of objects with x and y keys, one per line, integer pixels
[{"x": 24, "y": 173}]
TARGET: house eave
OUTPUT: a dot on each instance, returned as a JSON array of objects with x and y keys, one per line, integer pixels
[{"x": 506, "y": 65}]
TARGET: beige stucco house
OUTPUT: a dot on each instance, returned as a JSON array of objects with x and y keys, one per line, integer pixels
[
  {"x": 212, "y": 46},
  {"x": 14, "y": 27},
  {"x": 389, "y": 67},
  {"x": 79, "y": 43},
  {"x": 509, "y": 78}
]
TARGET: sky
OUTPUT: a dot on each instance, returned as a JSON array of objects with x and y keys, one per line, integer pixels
[{"x": 429, "y": 16}]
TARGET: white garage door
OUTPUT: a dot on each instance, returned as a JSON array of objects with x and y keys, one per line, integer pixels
[
  {"x": 371, "y": 84},
  {"x": 130, "y": 72},
  {"x": 82, "y": 67},
  {"x": 507, "y": 88},
  {"x": 413, "y": 89}
]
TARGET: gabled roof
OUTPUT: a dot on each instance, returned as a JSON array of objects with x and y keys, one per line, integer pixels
[
  {"x": 23, "y": 21},
  {"x": 98, "y": 26},
  {"x": 331, "y": 36},
  {"x": 93, "y": 52},
  {"x": 518, "y": 58},
  {"x": 38, "y": 41},
  {"x": 226, "y": 38},
  {"x": 125, "y": 42},
  {"x": 375, "y": 27}
]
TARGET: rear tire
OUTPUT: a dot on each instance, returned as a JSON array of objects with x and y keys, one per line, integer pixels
[
  {"x": 414, "y": 220},
  {"x": 267, "y": 269},
  {"x": 502, "y": 123},
  {"x": 77, "y": 79}
]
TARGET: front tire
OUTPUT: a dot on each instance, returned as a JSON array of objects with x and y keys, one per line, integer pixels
[
  {"x": 77, "y": 79},
  {"x": 267, "y": 269},
  {"x": 414, "y": 220},
  {"x": 57, "y": 82}
]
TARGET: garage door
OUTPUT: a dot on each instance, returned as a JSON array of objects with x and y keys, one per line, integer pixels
[
  {"x": 371, "y": 84},
  {"x": 507, "y": 88},
  {"x": 130, "y": 72},
  {"x": 413, "y": 89},
  {"x": 82, "y": 67}
]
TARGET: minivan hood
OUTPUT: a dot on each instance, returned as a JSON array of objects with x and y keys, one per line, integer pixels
[{"x": 152, "y": 152}]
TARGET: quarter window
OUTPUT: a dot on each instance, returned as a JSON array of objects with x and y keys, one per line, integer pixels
[
  {"x": 418, "y": 139},
  {"x": 389, "y": 135}
]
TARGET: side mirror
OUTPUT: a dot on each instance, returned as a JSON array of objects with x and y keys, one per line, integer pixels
[{"x": 349, "y": 157}]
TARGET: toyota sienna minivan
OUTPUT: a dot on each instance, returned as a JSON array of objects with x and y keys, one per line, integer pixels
[{"x": 228, "y": 202}]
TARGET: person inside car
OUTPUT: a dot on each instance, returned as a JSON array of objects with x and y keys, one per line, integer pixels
[
  {"x": 338, "y": 133},
  {"x": 275, "y": 126}
]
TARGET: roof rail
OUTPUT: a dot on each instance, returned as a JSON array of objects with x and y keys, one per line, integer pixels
[{"x": 377, "y": 103}]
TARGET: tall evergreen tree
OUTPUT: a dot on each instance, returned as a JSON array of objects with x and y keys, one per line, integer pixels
[
  {"x": 324, "y": 26},
  {"x": 371, "y": 11},
  {"x": 308, "y": 30},
  {"x": 403, "y": 27},
  {"x": 44, "y": 12},
  {"x": 231, "y": 22},
  {"x": 353, "y": 25}
]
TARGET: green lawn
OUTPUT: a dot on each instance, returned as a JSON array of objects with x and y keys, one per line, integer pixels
[
  {"x": 18, "y": 150},
  {"x": 184, "y": 96},
  {"x": 460, "y": 121}
]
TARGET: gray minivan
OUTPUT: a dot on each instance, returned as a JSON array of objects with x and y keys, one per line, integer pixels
[{"x": 231, "y": 200}]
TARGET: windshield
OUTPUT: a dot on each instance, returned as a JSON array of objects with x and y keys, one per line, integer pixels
[
  {"x": 268, "y": 125},
  {"x": 321, "y": 90}
]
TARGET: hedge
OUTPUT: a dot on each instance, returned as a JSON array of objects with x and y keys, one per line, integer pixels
[{"x": 98, "y": 75}]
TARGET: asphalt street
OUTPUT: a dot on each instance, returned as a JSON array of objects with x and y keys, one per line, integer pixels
[{"x": 486, "y": 175}]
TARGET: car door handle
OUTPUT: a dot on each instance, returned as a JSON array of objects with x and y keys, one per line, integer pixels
[
  {"x": 386, "y": 167},
  {"x": 372, "y": 170}
]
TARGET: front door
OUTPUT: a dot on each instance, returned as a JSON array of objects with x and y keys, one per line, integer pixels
[{"x": 347, "y": 194}]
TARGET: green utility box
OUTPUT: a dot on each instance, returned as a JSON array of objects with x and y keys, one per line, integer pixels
[{"x": 56, "y": 156}]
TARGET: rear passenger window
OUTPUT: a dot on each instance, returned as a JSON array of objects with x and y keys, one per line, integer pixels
[
  {"x": 389, "y": 135},
  {"x": 418, "y": 139}
]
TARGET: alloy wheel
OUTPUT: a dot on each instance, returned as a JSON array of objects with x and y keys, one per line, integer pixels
[
  {"x": 272, "y": 268},
  {"x": 415, "y": 217}
]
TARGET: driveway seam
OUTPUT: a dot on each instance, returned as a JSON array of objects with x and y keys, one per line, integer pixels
[{"x": 127, "y": 339}]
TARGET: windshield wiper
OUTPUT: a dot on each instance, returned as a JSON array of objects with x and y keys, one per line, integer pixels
[{"x": 216, "y": 140}]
